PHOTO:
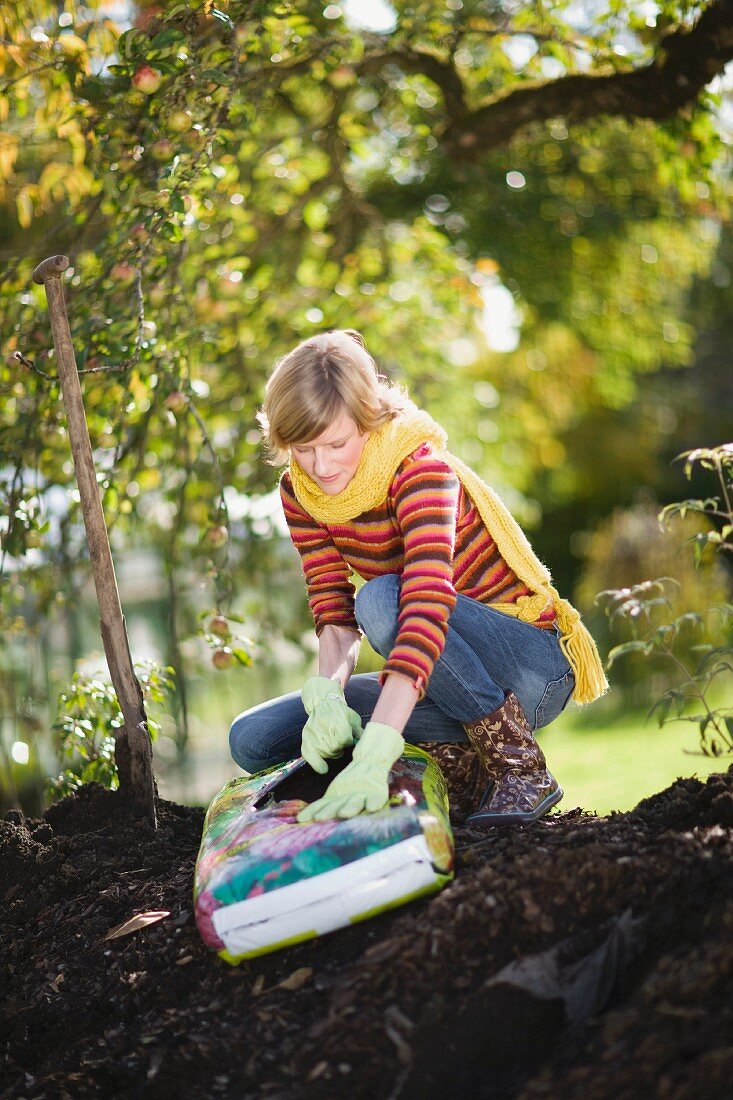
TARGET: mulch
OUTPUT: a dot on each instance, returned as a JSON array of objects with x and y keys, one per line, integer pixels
[{"x": 580, "y": 957}]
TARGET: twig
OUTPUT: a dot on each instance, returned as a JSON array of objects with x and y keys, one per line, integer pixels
[
  {"x": 116, "y": 368},
  {"x": 30, "y": 72}
]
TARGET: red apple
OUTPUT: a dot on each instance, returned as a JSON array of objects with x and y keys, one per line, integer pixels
[
  {"x": 178, "y": 121},
  {"x": 162, "y": 149},
  {"x": 138, "y": 234},
  {"x": 219, "y": 625},
  {"x": 341, "y": 77},
  {"x": 195, "y": 138},
  {"x": 177, "y": 402},
  {"x": 222, "y": 658},
  {"x": 215, "y": 537},
  {"x": 123, "y": 272},
  {"x": 147, "y": 79},
  {"x": 230, "y": 285}
]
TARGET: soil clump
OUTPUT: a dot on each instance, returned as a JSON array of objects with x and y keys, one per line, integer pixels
[{"x": 580, "y": 957}]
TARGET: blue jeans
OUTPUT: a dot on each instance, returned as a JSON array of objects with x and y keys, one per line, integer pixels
[{"x": 487, "y": 654}]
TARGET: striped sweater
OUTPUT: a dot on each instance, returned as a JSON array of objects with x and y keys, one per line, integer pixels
[{"x": 430, "y": 534}]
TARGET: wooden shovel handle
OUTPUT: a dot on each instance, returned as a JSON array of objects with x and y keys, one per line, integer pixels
[
  {"x": 133, "y": 751},
  {"x": 53, "y": 267}
]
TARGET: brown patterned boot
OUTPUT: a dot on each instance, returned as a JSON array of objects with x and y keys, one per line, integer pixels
[{"x": 521, "y": 787}]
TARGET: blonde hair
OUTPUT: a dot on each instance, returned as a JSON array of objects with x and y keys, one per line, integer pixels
[{"x": 320, "y": 378}]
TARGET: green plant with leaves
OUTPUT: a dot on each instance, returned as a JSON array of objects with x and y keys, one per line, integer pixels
[
  {"x": 719, "y": 460},
  {"x": 84, "y": 732},
  {"x": 687, "y": 642}
]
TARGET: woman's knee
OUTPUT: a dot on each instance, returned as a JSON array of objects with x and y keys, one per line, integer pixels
[
  {"x": 245, "y": 750},
  {"x": 376, "y": 609},
  {"x": 267, "y": 734}
]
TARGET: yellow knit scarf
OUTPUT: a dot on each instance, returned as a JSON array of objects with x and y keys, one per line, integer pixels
[{"x": 383, "y": 452}]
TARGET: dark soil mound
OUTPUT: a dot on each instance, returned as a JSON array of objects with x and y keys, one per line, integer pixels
[{"x": 580, "y": 957}]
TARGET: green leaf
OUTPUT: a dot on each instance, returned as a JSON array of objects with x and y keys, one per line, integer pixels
[
  {"x": 166, "y": 37},
  {"x": 216, "y": 76},
  {"x": 132, "y": 43},
  {"x": 663, "y": 707},
  {"x": 94, "y": 91},
  {"x": 682, "y": 507},
  {"x": 664, "y": 635},
  {"x": 691, "y": 618},
  {"x": 719, "y": 669},
  {"x": 623, "y": 650},
  {"x": 171, "y": 232}
]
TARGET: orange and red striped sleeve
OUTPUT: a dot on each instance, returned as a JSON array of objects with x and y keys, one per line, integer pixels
[
  {"x": 327, "y": 576},
  {"x": 425, "y": 496}
]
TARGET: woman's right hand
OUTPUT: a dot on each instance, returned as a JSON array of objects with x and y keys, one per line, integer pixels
[
  {"x": 332, "y": 725},
  {"x": 363, "y": 786}
]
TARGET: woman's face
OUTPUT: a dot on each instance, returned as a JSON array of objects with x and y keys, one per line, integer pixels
[{"x": 331, "y": 458}]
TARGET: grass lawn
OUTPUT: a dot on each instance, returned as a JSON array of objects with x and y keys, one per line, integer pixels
[{"x": 621, "y": 759}]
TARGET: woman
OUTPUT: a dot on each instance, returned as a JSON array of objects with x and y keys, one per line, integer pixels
[{"x": 479, "y": 647}]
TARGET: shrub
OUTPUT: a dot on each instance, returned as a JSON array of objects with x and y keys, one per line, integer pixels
[
  {"x": 685, "y": 643},
  {"x": 89, "y": 715}
]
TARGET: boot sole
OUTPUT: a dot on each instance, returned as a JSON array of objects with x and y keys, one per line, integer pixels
[{"x": 547, "y": 803}]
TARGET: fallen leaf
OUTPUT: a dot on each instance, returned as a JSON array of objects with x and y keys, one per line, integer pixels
[
  {"x": 404, "y": 1052},
  {"x": 379, "y": 952},
  {"x": 140, "y": 920},
  {"x": 296, "y": 979}
]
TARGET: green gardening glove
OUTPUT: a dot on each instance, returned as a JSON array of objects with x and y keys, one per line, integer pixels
[
  {"x": 331, "y": 726},
  {"x": 363, "y": 784}
]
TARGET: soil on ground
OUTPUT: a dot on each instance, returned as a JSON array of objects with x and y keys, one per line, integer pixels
[{"x": 580, "y": 957}]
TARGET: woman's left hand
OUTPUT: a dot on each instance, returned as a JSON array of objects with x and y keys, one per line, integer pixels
[{"x": 331, "y": 726}]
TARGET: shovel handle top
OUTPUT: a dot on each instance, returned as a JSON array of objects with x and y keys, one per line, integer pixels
[{"x": 51, "y": 268}]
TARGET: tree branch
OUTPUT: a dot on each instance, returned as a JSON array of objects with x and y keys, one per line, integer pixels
[
  {"x": 442, "y": 73},
  {"x": 55, "y": 64},
  {"x": 687, "y": 60}
]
